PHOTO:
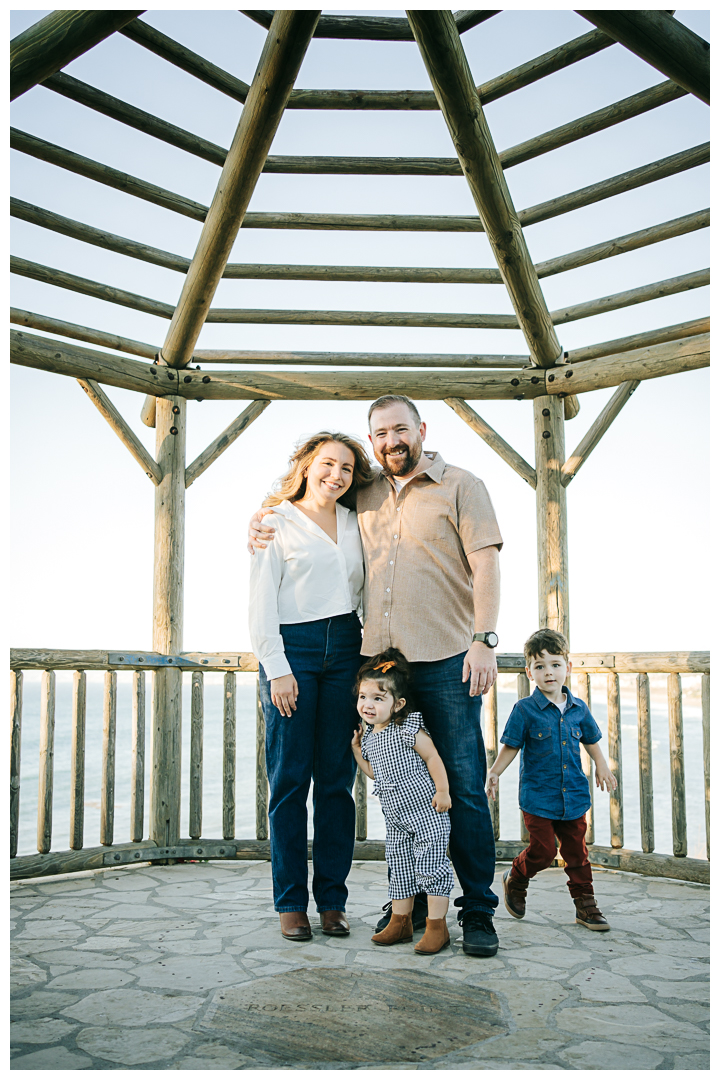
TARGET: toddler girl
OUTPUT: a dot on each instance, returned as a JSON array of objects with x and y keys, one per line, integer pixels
[{"x": 397, "y": 752}]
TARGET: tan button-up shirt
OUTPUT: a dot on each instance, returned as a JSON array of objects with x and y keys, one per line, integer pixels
[{"x": 418, "y": 584}]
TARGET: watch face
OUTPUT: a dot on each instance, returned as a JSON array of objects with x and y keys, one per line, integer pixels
[{"x": 491, "y": 639}]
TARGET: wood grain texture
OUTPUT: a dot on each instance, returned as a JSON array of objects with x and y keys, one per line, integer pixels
[
  {"x": 107, "y": 788},
  {"x": 137, "y": 760},
  {"x": 360, "y": 793},
  {"x": 196, "y": 754},
  {"x": 229, "y": 756},
  {"x": 64, "y": 862},
  {"x": 61, "y": 279},
  {"x": 583, "y": 690},
  {"x": 279, "y": 64},
  {"x": 651, "y": 362},
  {"x": 615, "y": 759},
  {"x": 523, "y": 691},
  {"x": 705, "y": 698},
  {"x": 166, "y": 744},
  {"x": 122, "y": 429},
  {"x": 677, "y": 766},
  {"x": 551, "y": 516},
  {"x": 56, "y": 40},
  {"x": 637, "y": 341},
  {"x": 82, "y": 333},
  {"x": 372, "y": 27},
  {"x": 284, "y": 317},
  {"x": 16, "y": 704},
  {"x": 662, "y": 41},
  {"x": 77, "y": 760},
  {"x": 449, "y": 72},
  {"x": 629, "y": 297},
  {"x": 495, "y": 442},
  {"x": 225, "y": 439},
  {"x": 647, "y": 813},
  {"x": 596, "y": 430},
  {"x": 490, "y": 732},
  {"x": 261, "y": 779},
  {"x": 359, "y": 359},
  {"x": 46, "y": 762}
]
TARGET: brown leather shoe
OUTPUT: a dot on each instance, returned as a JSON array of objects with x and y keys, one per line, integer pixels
[
  {"x": 515, "y": 893},
  {"x": 435, "y": 938},
  {"x": 397, "y": 932},
  {"x": 587, "y": 913},
  {"x": 334, "y": 923},
  {"x": 295, "y": 925}
]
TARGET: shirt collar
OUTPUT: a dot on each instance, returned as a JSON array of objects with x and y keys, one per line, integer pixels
[
  {"x": 542, "y": 702},
  {"x": 292, "y": 511},
  {"x": 434, "y": 470}
]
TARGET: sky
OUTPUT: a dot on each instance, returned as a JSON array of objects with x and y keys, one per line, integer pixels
[{"x": 82, "y": 509}]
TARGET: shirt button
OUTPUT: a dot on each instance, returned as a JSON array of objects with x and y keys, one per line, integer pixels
[
  {"x": 398, "y": 509},
  {"x": 395, "y": 536},
  {"x": 563, "y": 789},
  {"x": 563, "y": 739},
  {"x": 391, "y": 562},
  {"x": 386, "y": 614},
  {"x": 564, "y": 766},
  {"x": 387, "y": 590}
]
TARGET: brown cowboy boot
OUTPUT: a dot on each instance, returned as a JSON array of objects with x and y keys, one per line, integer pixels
[
  {"x": 435, "y": 938},
  {"x": 587, "y": 913},
  {"x": 515, "y": 893},
  {"x": 397, "y": 932}
]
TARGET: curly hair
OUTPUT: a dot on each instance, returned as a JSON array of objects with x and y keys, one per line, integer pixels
[
  {"x": 391, "y": 671},
  {"x": 550, "y": 641},
  {"x": 293, "y": 484}
]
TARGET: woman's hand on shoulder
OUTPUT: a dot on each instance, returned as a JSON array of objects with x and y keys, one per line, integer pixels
[
  {"x": 284, "y": 694},
  {"x": 259, "y": 535}
]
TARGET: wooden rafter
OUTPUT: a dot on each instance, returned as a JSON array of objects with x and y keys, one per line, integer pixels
[
  {"x": 596, "y": 431},
  {"x": 373, "y": 27},
  {"x": 495, "y": 442},
  {"x": 82, "y": 333},
  {"x": 122, "y": 429},
  {"x": 225, "y": 439}
]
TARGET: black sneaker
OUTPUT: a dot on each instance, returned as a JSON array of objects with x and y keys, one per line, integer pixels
[
  {"x": 419, "y": 914},
  {"x": 479, "y": 937}
]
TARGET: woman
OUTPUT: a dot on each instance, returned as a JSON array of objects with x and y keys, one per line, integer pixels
[{"x": 305, "y": 592}]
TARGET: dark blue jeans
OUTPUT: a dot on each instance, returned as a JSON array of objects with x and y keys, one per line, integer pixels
[
  {"x": 453, "y": 719},
  {"x": 313, "y": 743}
]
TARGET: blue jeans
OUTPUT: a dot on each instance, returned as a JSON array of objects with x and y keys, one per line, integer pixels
[
  {"x": 453, "y": 719},
  {"x": 313, "y": 743}
]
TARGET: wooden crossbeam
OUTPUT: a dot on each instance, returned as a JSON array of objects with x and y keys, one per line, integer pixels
[
  {"x": 56, "y": 40},
  {"x": 50, "y": 276},
  {"x": 495, "y": 442},
  {"x": 639, "y": 341},
  {"x": 373, "y": 27},
  {"x": 630, "y": 297},
  {"x": 596, "y": 431},
  {"x": 82, "y": 333},
  {"x": 45, "y": 354},
  {"x": 225, "y": 439},
  {"x": 122, "y": 429},
  {"x": 662, "y": 41}
]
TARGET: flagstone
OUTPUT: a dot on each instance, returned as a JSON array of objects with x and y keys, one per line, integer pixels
[
  {"x": 213, "y": 1056},
  {"x": 138, "y": 911},
  {"x": 85, "y": 959},
  {"x": 24, "y": 974},
  {"x": 555, "y": 957},
  {"x": 41, "y": 1030},
  {"x": 694, "y": 1011},
  {"x": 695, "y": 1061},
  {"x": 530, "y": 1003},
  {"x": 692, "y": 949},
  {"x": 527, "y": 1045},
  {"x": 190, "y": 973},
  {"x": 597, "y": 984},
  {"x": 637, "y": 1024},
  {"x": 690, "y": 991},
  {"x": 56, "y": 1057},
  {"x": 610, "y": 1055},
  {"x": 40, "y": 1003},
  {"x": 666, "y": 967},
  {"x": 133, "y": 1008},
  {"x": 526, "y": 969},
  {"x": 126, "y": 1047},
  {"x": 90, "y": 979}
]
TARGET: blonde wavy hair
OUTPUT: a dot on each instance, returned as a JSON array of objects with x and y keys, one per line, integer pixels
[{"x": 293, "y": 484}]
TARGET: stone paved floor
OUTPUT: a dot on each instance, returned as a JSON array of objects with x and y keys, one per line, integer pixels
[{"x": 156, "y": 967}]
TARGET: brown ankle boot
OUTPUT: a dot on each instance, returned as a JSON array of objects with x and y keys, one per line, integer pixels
[
  {"x": 397, "y": 931},
  {"x": 587, "y": 913},
  {"x": 515, "y": 893},
  {"x": 435, "y": 938}
]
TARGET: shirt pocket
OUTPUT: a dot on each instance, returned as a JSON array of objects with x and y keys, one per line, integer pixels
[
  {"x": 575, "y": 737},
  {"x": 539, "y": 741},
  {"x": 429, "y": 522}
]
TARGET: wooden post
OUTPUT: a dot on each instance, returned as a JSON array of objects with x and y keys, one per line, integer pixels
[
  {"x": 77, "y": 761},
  {"x": 647, "y": 818},
  {"x": 584, "y": 692},
  {"x": 47, "y": 752},
  {"x": 16, "y": 688},
  {"x": 551, "y": 508},
  {"x": 137, "y": 781},
  {"x": 360, "y": 805},
  {"x": 523, "y": 691},
  {"x": 677, "y": 766},
  {"x": 168, "y": 621},
  {"x": 107, "y": 791},
  {"x": 706, "y": 755},
  {"x": 229, "y": 743},
  {"x": 196, "y": 755},
  {"x": 261, "y": 780},
  {"x": 491, "y": 751},
  {"x": 615, "y": 759}
]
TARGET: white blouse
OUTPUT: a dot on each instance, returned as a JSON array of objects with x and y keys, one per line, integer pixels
[{"x": 301, "y": 576}]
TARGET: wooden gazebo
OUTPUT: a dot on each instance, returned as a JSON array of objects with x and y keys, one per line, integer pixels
[{"x": 167, "y": 376}]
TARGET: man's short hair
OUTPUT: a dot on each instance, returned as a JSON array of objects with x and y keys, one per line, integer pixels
[
  {"x": 394, "y": 399},
  {"x": 549, "y": 641}
]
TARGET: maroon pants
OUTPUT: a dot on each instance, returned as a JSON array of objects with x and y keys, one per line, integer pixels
[{"x": 541, "y": 851}]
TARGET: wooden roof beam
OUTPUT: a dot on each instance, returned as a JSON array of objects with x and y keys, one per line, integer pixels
[
  {"x": 662, "y": 41},
  {"x": 449, "y": 72},
  {"x": 124, "y": 432},
  {"x": 373, "y": 27},
  {"x": 495, "y": 442},
  {"x": 596, "y": 431},
  {"x": 56, "y": 40},
  {"x": 225, "y": 439},
  {"x": 639, "y": 341},
  {"x": 82, "y": 333}
]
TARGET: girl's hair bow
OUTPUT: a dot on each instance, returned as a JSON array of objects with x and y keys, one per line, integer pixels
[{"x": 384, "y": 667}]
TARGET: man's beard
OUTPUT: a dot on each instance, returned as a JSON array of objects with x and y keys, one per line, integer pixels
[{"x": 402, "y": 464}]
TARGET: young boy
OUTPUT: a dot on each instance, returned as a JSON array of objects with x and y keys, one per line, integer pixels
[{"x": 548, "y": 727}]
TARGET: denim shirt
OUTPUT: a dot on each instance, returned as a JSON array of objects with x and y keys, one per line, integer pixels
[{"x": 552, "y": 782}]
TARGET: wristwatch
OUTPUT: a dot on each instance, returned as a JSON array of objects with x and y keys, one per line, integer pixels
[{"x": 490, "y": 639}]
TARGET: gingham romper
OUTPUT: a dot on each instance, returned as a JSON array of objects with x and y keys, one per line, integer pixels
[{"x": 416, "y": 834}]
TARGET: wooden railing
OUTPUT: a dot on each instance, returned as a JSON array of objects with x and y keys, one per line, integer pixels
[{"x": 137, "y": 848}]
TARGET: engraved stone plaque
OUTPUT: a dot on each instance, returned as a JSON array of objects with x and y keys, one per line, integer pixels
[{"x": 341, "y": 1015}]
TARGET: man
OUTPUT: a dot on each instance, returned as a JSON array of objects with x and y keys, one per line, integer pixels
[{"x": 432, "y": 590}]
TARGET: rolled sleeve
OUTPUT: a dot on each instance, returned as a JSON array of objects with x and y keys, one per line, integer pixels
[
  {"x": 591, "y": 733},
  {"x": 514, "y": 733},
  {"x": 477, "y": 524}
]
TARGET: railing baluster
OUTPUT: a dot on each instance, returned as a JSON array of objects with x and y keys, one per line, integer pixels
[
  {"x": 360, "y": 805},
  {"x": 615, "y": 759},
  {"x": 677, "y": 766},
  {"x": 137, "y": 781},
  {"x": 584, "y": 692},
  {"x": 261, "y": 780},
  {"x": 705, "y": 691},
  {"x": 229, "y": 726},
  {"x": 196, "y": 754},
  {"x": 16, "y": 689},
  {"x": 107, "y": 790},
  {"x": 647, "y": 815},
  {"x": 523, "y": 691},
  {"x": 77, "y": 761},
  {"x": 491, "y": 751},
  {"x": 47, "y": 753}
]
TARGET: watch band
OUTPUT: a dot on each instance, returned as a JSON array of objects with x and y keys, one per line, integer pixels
[{"x": 484, "y": 638}]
